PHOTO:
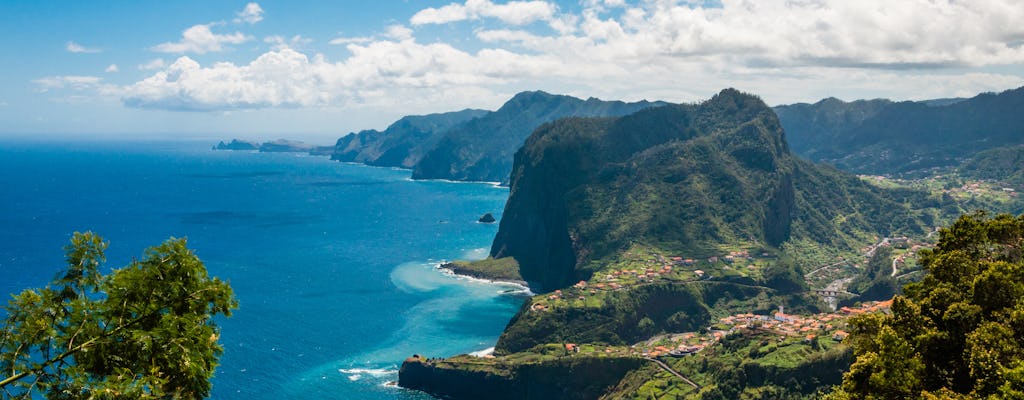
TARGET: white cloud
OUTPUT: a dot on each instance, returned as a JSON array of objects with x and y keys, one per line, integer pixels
[
  {"x": 75, "y": 82},
  {"x": 785, "y": 50},
  {"x": 251, "y": 14},
  {"x": 200, "y": 39},
  {"x": 350, "y": 40},
  {"x": 155, "y": 63},
  {"x": 77, "y": 48},
  {"x": 280, "y": 42},
  {"x": 513, "y": 12},
  {"x": 398, "y": 32},
  {"x": 111, "y": 68}
]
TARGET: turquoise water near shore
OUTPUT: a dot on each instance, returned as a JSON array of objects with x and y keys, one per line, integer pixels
[{"x": 333, "y": 263}]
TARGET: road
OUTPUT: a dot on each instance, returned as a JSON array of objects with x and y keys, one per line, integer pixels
[{"x": 672, "y": 371}]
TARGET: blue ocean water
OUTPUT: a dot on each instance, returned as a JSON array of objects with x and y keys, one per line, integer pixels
[{"x": 332, "y": 263}]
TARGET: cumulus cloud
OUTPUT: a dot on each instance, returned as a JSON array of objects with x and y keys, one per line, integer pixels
[
  {"x": 251, "y": 14},
  {"x": 287, "y": 78},
  {"x": 666, "y": 49},
  {"x": 200, "y": 39},
  {"x": 77, "y": 48},
  {"x": 513, "y": 12},
  {"x": 111, "y": 68}
]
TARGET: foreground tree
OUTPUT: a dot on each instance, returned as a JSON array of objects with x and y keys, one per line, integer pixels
[
  {"x": 143, "y": 331},
  {"x": 959, "y": 333}
]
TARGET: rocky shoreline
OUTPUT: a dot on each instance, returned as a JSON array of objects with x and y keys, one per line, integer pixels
[{"x": 461, "y": 269}]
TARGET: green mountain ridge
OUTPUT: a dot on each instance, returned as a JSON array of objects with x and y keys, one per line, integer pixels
[
  {"x": 885, "y": 137},
  {"x": 688, "y": 179},
  {"x": 621, "y": 223},
  {"x": 403, "y": 143},
  {"x": 469, "y": 145}
]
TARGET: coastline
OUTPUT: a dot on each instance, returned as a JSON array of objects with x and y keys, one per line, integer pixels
[{"x": 449, "y": 268}]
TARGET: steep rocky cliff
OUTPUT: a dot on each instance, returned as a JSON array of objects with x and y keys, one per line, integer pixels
[
  {"x": 580, "y": 378},
  {"x": 403, "y": 143},
  {"x": 691, "y": 179},
  {"x": 482, "y": 149}
]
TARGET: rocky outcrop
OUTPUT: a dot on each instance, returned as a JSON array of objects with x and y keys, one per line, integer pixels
[
  {"x": 565, "y": 378},
  {"x": 487, "y": 219},
  {"x": 687, "y": 178},
  {"x": 237, "y": 145},
  {"x": 285, "y": 146}
]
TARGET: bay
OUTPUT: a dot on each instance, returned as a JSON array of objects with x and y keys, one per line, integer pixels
[{"x": 333, "y": 263}]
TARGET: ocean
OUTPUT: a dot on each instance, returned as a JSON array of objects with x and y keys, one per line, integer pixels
[{"x": 333, "y": 263}]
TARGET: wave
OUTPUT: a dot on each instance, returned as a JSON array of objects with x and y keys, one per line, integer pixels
[
  {"x": 375, "y": 372},
  {"x": 484, "y": 352}
]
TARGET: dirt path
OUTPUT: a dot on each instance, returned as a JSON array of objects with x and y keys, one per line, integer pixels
[{"x": 673, "y": 372}]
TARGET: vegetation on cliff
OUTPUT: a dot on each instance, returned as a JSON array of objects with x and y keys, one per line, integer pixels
[
  {"x": 883, "y": 137},
  {"x": 403, "y": 143},
  {"x": 957, "y": 333},
  {"x": 693, "y": 180}
]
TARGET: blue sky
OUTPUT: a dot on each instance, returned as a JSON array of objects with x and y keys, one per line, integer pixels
[{"x": 318, "y": 70}]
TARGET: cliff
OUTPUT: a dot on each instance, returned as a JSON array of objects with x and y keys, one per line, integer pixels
[
  {"x": 403, "y": 143},
  {"x": 688, "y": 179},
  {"x": 582, "y": 377},
  {"x": 482, "y": 148}
]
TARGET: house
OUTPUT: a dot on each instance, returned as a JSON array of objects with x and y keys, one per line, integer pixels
[
  {"x": 839, "y": 336},
  {"x": 572, "y": 347}
]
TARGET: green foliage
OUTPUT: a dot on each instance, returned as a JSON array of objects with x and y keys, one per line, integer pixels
[
  {"x": 1003, "y": 164},
  {"x": 142, "y": 331},
  {"x": 745, "y": 365},
  {"x": 877, "y": 282},
  {"x": 883, "y": 137},
  {"x": 501, "y": 269},
  {"x": 689, "y": 179},
  {"x": 482, "y": 149},
  {"x": 957, "y": 333}
]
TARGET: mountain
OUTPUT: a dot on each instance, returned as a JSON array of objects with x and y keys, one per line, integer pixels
[
  {"x": 687, "y": 179},
  {"x": 403, "y": 143},
  {"x": 482, "y": 149},
  {"x": 1004, "y": 164},
  {"x": 883, "y": 137},
  {"x": 667, "y": 236}
]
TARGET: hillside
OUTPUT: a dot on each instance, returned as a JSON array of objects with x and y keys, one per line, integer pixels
[
  {"x": 695, "y": 180},
  {"x": 1003, "y": 164},
  {"x": 403, "y": 143},
  {"x": 883, "y": 137},
  {"x": 674, "y": 228}
]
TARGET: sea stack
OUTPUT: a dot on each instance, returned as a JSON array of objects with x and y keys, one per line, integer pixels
[{"x": 487, "y": 219}]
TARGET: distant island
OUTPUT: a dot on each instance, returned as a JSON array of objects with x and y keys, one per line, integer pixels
[{"x": 276, "y": 146}]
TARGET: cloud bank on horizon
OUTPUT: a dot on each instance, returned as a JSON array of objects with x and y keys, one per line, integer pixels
[{"x": 675, "y": 50}]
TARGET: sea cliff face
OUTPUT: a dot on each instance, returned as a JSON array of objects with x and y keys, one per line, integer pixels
[
  {"x": 403, "y": 143},
  {"x": 567, "y": 378}
]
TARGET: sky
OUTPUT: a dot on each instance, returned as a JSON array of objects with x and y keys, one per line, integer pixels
[{"x": 317, "y": 70}]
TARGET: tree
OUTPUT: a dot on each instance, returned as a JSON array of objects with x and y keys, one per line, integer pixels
[
  {"x": 142, "y": 331},
  {"x": 959, "y": 333}
]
